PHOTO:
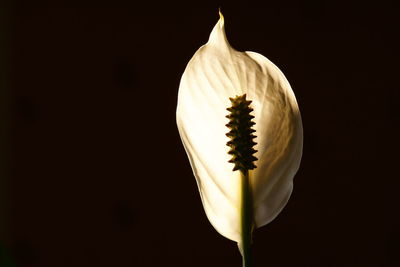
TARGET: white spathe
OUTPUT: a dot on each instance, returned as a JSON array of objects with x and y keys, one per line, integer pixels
[{"x": 215, "y": 73}]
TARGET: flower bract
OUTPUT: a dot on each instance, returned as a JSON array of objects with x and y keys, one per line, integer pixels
[{"x": 216, "y": 73}]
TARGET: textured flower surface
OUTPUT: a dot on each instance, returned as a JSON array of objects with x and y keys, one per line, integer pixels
[{"x": 214, "y": 74}]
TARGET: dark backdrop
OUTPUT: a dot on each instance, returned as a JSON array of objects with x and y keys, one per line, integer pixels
[{"x": 93, "y": 172}]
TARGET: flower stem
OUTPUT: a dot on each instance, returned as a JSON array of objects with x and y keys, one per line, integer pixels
[{"x": 246, "y": 218}]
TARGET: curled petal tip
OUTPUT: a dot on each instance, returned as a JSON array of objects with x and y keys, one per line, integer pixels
[
  {"x": 221, "y": 17},
  {"x": 217, "y": 36}
]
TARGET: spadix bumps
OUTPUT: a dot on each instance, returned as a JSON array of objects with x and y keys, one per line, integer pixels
[
  {"x": 241, "y": 134},
  {"x": 216, "y": 73}
]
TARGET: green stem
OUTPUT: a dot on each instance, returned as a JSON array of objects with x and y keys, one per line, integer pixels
[{"x": 246, "y": 218}]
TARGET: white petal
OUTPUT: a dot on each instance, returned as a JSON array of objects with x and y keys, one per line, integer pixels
[
  {"x": 215, "y": 73},
  {"x": 279, "y": 136}
]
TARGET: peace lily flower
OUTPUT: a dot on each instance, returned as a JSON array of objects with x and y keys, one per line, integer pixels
[{"x": 218, "y": 78}]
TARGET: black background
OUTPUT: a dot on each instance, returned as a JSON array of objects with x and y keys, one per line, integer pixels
[{"x": 93, "y": 172}]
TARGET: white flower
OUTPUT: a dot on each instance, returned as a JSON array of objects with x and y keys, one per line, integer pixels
[{"x": 214, "y": 74}]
